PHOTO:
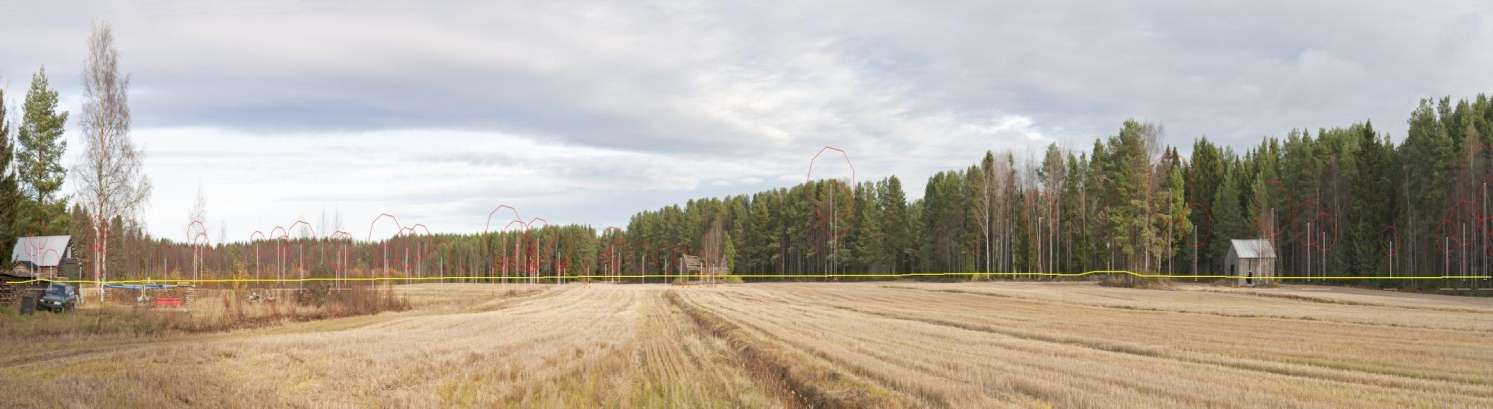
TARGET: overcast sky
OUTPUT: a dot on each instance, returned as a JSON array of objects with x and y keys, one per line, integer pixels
[{"x": 588, "y": 112}]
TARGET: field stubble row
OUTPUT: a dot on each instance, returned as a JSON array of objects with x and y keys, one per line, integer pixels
[{"x": 821, "y": 345}]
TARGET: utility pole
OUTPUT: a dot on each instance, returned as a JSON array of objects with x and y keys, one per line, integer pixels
[
  {"x": 1274, "y": 262},
  {"x": 1111, "y": 256},
  {"x": 1040, "y": 265},
  {"x": 1409, "y": 228}
]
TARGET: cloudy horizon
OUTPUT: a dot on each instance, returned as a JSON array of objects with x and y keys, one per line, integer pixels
[{"x": 589, "y": 112}]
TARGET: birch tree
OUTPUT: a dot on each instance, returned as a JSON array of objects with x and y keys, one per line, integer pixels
[
  {"x": 984, "y": 209},
  {"x": 111, "y": 181}
]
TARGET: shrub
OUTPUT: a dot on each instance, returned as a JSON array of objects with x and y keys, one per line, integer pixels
[{"x": 1127, "y": 281}]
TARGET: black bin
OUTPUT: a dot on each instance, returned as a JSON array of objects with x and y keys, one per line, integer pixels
[{"x": 28, "y": 305}]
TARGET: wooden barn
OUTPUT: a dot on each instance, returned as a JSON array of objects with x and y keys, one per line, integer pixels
[
  {"x": 1251, "y": 261},
  {"x": 48, "y": 257}
]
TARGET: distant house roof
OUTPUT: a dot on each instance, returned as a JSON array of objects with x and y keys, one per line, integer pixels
[
  {"x": 1253, "y": 248},
  {"x": 42, "y": 251}
]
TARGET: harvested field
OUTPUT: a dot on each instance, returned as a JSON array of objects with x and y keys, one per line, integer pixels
[{"x": 891, "y": 344}]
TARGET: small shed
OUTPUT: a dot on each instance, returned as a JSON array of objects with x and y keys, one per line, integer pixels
[
  {"x": 1251, "y": 261},
  {"x": 43, "y": 257}
]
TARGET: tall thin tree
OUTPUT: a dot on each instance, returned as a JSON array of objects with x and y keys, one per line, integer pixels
[{"x": 111, "y": 180}]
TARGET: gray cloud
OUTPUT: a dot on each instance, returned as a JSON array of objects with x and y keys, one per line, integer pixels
[{"x": 749, "y": 90}]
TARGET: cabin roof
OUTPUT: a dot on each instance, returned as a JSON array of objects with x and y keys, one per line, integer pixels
[
  {"x": 1255, "y": 248},
  {"x": 40, "y": 251}
]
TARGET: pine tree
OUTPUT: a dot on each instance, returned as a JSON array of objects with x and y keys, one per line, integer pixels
[
  {"x": 39, "y": 160},
  {"x": 1125, "y": 187}
]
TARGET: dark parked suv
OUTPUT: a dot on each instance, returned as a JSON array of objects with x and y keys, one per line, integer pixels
[{"x": 59, "y": 298}]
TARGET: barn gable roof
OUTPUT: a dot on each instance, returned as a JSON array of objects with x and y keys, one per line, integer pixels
[
  {"x": 41, "y": 251},
  {"x": 1256, "y": 248}
]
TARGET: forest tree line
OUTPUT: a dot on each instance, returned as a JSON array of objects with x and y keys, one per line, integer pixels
[
  {"x": 1335, "y": 202},
  {"x": 1339, "y": 201}
]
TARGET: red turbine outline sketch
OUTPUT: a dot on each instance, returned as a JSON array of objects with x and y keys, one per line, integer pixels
[
  {"x": 614, "y": 265},
  {"x": 344, "y": 240},
  {"x": 255, "y": 243},
  {"x": 823, "y": 222},
  {"x": 533, "y": 262},
  {"x": 516, "y": 245},
  {"x": 38, "y": 249},
  {"x": 301, "y": 253},
  {"x": 280, "y": 250},
  {"x": 399, "y": 227},
  {"x": 192, "y": 241},
  {"x": 502, "y": 261}
]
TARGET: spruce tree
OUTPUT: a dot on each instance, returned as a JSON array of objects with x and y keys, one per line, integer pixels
[
  {"x": 1228, "y": 220},
  {"x": 868, "y": 235},
  {"x": 9, "y": 192},
  {"x": 898, "y": 244},
  {"x": 1075, "y": 239},
  {"x": 1370, "y": 216},
  {"x": 1204, "y": 175},
  {"x": 1175, "y": 211}
]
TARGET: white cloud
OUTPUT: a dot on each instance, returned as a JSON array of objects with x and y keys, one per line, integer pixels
[{"x": 444, "y": 179}]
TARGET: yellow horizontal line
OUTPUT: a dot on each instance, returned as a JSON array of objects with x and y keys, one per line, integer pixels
[{"x": 741, "y": 276}]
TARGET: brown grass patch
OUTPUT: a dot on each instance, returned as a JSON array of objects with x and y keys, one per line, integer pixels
[
  {"x": 209, "y": 311},
  {"x": 1127, "y": 281}
]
